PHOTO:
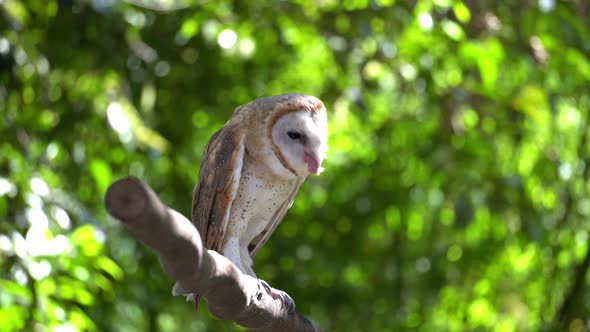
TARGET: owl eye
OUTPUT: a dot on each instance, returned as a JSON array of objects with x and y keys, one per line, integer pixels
[{"x": 294, "y": 135}]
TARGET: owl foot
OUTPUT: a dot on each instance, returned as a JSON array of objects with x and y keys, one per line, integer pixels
[{"x": 286, "y": 300}]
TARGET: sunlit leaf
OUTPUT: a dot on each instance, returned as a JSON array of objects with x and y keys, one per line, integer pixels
[
  {"x": 481, "y": 313},
  {"x": 461, "y": 12},
  {"x": 13, "y": 317},
  {"x": 109, "y": 266},
  {"x": 84, "y": 237},
  {"x": 15, "y": 290},
  {"x": 189, "y": 28},
  {"x": 453, "y": 30},
  {"x": 102, "y": 174}
]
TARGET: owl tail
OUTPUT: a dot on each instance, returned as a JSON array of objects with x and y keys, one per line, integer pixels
[{"x": 178, "y": 290}]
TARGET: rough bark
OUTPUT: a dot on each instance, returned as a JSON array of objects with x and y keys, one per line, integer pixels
[{"x": 230, "y": 294}]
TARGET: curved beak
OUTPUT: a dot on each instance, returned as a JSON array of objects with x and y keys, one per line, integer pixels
[{"x": 314, "y": 163}]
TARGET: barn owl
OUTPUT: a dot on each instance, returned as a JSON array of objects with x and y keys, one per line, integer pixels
[{"x": 251, "y": 171}]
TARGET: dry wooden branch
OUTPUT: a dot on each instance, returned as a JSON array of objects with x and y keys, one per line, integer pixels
[{"x": 230, "y": 294}]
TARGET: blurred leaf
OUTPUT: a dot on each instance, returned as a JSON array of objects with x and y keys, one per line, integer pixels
[
  {"x": 107, "y": 265},
  {"x": 102, "y": 174},
  {"x": 189, "y": 28},
  {"x": 13, "y": 317},
  {"x": 453, "y": 30},
  {"x": 16, "y": 291},
  {"x": 461, "y": 12},
  {"x": 84, "y": 237}
]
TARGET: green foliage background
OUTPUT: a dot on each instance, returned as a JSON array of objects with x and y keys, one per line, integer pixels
[{"x": 455, "y": 196}]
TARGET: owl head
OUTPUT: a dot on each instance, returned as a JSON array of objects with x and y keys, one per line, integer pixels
[
  {"x": 295, "y": 142},
  {"x": 301, "y": 138}
]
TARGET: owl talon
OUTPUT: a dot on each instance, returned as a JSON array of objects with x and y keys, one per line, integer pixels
[{"x": 286, "y": 300}]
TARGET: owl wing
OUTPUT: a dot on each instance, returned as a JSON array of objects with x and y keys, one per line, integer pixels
[
  {"x": 276, "y": 219},
  {"x": 219, "y": 178}
]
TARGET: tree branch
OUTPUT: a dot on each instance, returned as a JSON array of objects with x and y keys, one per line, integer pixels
[{"x": 230, "y": 294}]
